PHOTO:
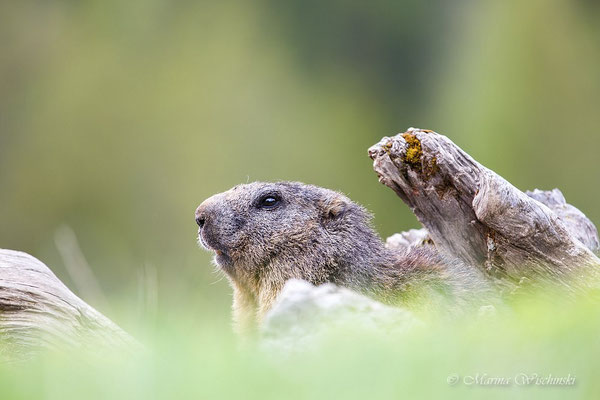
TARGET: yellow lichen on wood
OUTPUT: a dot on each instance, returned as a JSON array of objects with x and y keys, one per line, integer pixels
[
  {"x": 414, "y": 152},
  {"x": 388, "y": 146}
]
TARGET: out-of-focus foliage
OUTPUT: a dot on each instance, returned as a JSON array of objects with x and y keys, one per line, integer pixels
[
  {"x": 117, "y": 118},
  {"x": 495, "y": 357}
]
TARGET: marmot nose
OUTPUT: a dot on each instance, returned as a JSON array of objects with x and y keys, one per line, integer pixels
[{"x": 200, "y": 216}]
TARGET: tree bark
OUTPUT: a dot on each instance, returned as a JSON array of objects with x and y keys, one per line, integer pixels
[
  {"x": 473, "y": 214},
  {"x": 37, "y": 311}
]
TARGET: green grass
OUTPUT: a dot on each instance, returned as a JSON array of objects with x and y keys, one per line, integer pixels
[{"x": 196, "y": 358}]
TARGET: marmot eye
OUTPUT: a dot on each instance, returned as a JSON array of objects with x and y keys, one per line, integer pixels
[{"x": 269, "y": 201}]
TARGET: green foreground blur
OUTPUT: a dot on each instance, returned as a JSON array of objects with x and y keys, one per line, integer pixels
[{"x": 539, "y": 349}]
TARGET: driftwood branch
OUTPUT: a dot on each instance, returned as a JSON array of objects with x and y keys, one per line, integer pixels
[
  {"x": 473, "y": 214},
  {"x": 37, "y": 311}
]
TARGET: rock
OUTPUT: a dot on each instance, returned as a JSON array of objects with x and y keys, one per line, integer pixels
[{"x": 304, "y": 313}]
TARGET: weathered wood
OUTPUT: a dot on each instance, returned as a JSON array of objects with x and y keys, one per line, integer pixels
[
  {"x": 575, "y": 221},
  {"x": 37, "y": 311},
  {"x": 473, "y": 214}
]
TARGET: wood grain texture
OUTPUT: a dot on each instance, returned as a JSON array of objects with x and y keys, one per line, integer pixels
[
  {"x": 473, "y": 214},
  {"x": 37, "y": 311}
]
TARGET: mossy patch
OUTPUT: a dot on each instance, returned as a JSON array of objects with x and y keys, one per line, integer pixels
[
  {"x": 414, "y": 152},
  {"x": 388, "y": 146}
]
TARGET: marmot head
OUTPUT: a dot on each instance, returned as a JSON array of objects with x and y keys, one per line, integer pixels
[{"x": 252, "y": 225}]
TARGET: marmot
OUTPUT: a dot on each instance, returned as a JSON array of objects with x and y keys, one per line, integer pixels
[{"x": 266, "y": 233}]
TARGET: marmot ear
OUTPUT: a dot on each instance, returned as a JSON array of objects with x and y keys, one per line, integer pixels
[{"x": 334, "y": 208}]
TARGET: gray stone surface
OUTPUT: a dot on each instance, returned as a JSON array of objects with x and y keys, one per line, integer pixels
[{"x": 304, "y": 313}]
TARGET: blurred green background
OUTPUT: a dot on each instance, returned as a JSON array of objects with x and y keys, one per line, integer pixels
[{"x": 117, "y": 118}]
